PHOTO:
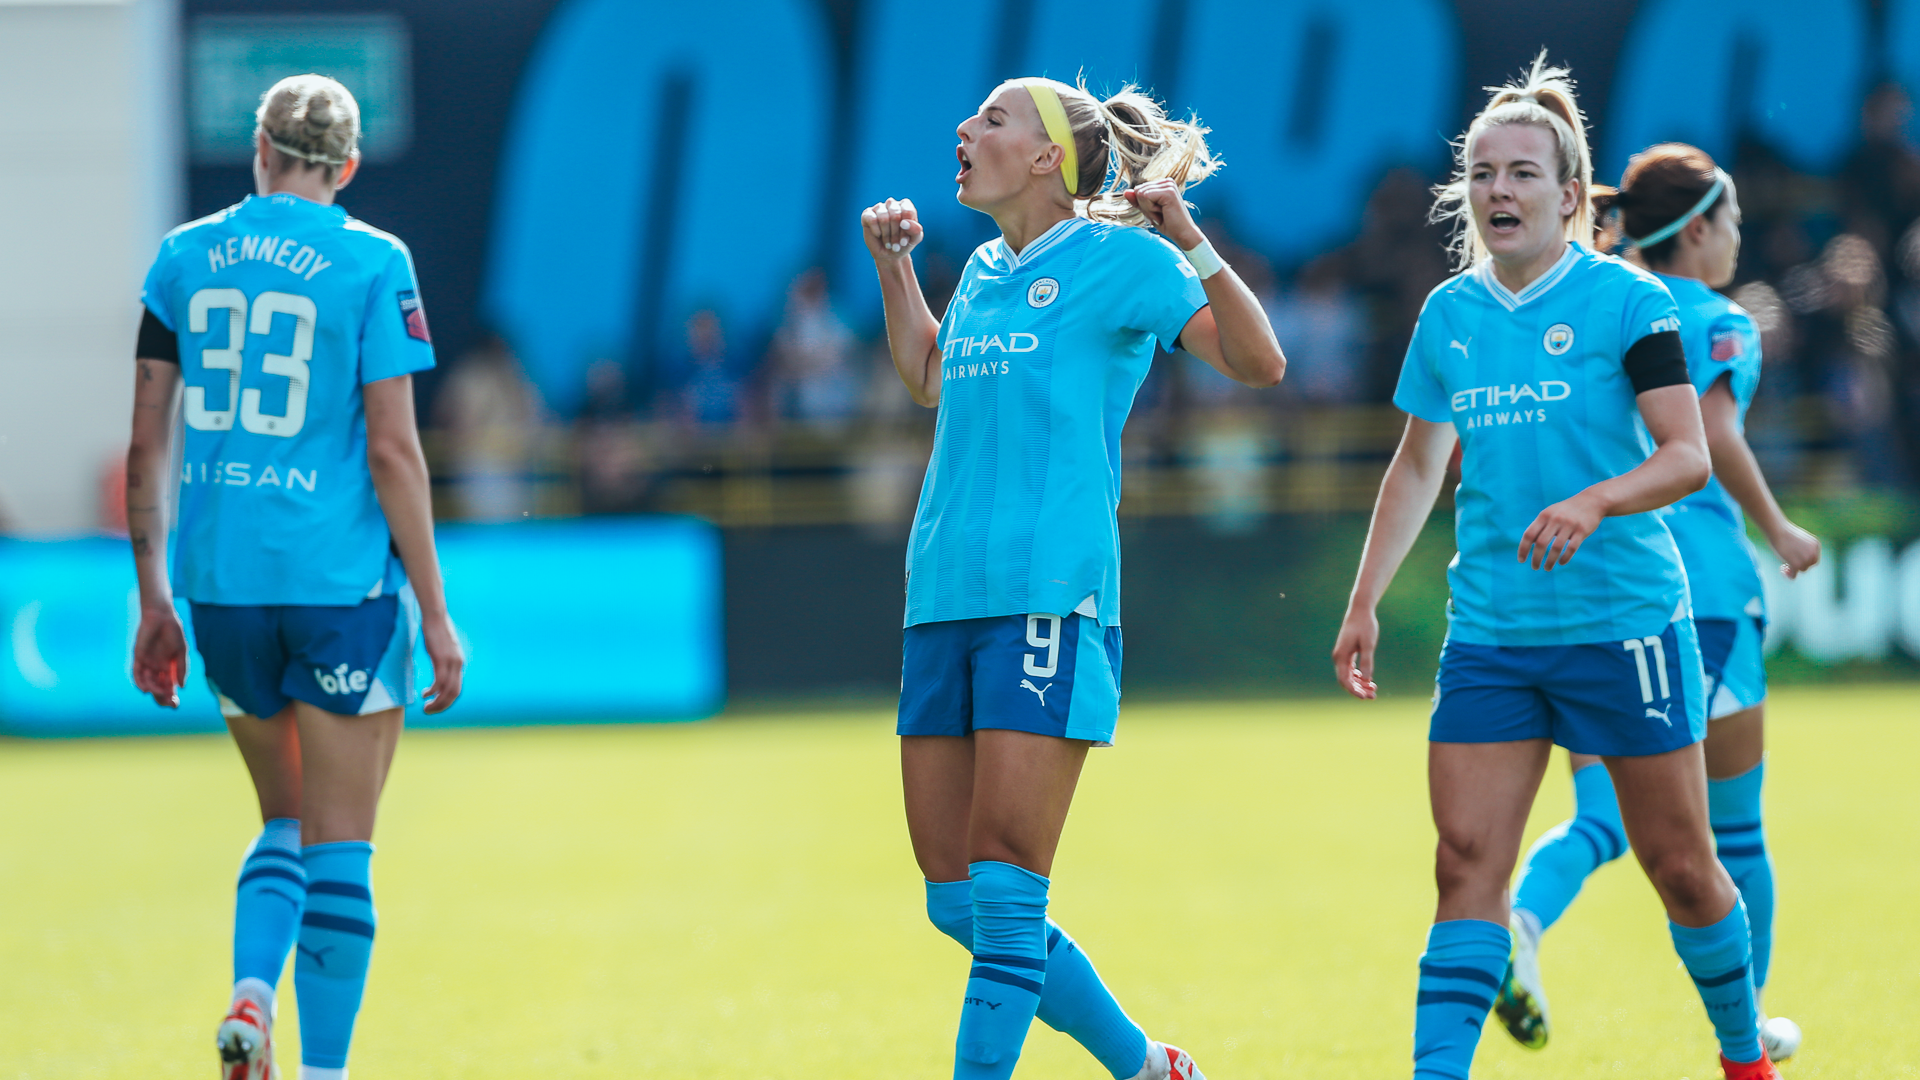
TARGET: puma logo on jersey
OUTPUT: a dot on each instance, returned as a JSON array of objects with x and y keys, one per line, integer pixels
[
  {"x": 1038, "y": 691},
  {"x": 1464, "y": 354},
  {"x": 1660, "y": 714}
]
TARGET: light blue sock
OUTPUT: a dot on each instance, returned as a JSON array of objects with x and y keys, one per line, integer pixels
[
  {"x": 1009, "y": 969},
  {"x": 1561, "y": 860},
  {"x": 336, "y": 941},
  {"x": 1738, "y": 833},
  {"x": 1717, "y": 957},
  {"x": 1073, "y": 999},
  {"x": 267, "y": 902},
  {"x": 1459, "y": 974}
]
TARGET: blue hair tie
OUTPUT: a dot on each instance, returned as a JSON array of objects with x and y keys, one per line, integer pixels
[{"x": 1674, "y": 226}]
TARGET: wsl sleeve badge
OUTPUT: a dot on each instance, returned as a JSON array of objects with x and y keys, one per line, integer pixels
[
  {"x": 1043, "y": 292},
  {"x": 414, "y": 316},
  {"x": 1728, "y": 344}
]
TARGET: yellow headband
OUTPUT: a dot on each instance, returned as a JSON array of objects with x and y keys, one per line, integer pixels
[{"x": 1054, "y": 116}]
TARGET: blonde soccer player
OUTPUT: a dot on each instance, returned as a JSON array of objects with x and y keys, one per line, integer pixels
[
  {"x": 1011, "y": 658},
  {"x": 1681, "y": 217},
  {"x": 1561, "y": 374},
  {"x": 305, "y": 545}
]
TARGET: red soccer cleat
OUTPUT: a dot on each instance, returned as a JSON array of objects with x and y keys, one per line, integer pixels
[
  {"x": 246, "y": 1043},
  {"x": 1179, "y": 1065},
  {"x": 1749, "y": 1070}
]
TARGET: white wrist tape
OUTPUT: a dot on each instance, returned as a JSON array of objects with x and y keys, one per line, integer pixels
[{"x": 1206, "y": 261}]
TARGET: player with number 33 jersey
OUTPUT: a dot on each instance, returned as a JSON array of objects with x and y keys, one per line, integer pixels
[{"x": 285, "y": 334}]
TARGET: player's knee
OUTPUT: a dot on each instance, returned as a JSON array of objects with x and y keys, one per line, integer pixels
[
  {"x": 1461, "y": 863},
  {"x": 1689, "y": 880}
]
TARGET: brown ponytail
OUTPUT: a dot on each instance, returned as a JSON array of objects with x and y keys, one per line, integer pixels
[{"x": 1660, "y": 185}]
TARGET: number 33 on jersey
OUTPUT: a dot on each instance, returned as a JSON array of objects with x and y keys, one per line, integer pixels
[{"x": 283, "y": 309}]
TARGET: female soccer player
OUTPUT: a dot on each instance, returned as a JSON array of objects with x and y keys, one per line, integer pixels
[
  {"x": 1561, "y": 373},
  {"x": 1682, "y": 216},
  {"x": 305, "y": 545},
  {"x": 1012, "y": 641}
]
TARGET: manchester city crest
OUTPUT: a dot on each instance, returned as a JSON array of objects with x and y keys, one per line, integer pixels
[
  {"x": 1043, "y": 292},
  {"x": 1559, "y": 339}
]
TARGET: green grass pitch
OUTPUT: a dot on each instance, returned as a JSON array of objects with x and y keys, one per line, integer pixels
[{"x": 736, "y": 900}]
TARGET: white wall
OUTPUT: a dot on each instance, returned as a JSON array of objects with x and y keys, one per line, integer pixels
[{"x": 91, "y": 176}]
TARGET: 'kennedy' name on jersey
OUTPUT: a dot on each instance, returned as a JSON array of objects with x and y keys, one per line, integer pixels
[{"x": 290, "y": 255}]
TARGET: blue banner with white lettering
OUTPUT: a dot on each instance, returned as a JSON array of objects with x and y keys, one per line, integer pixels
[{"x": 578, "y": 621}]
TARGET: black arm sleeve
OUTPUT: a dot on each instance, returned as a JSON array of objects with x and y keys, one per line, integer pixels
[
  {"x": 1655, "y": 361},
  {"x": 156, "y": 341}
]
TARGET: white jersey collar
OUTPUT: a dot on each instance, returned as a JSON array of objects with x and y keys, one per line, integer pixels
[
  {"x": 1045, "y": 241},
  {"x": 1536, "y": 288}
]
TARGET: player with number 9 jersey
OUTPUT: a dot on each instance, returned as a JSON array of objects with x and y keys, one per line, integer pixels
[
  {"x": 1011, "y": 650},
  {"x": 286, "y": 333}
]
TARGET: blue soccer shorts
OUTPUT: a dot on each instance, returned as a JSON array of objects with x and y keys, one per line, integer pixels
[
  {"x": 1614, "y": 698},
  {"x": 347, "y": 660},
  {"x": 1048, "y": 674},
  {"x": 1732, "y": 654}
]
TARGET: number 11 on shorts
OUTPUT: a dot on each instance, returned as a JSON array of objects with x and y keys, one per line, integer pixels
[{"x": 1640, "y": 647}]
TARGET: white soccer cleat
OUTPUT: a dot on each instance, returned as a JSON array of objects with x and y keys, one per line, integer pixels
[
  {"x": 246, "y": 1042},
  {"x": 1521, "y": 1004},
  {"x": 1780, "y": 1037},
  {"x": 1168, "y": 1063}
]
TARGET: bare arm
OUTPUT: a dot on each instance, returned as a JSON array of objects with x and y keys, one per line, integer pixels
[
  {"x": 892, "y": 229},
  {"x": 1734, "y": 464},
  {"x": 160, "y": 644},
  {"x": 1678, "y": 467},
  {"x": 1232, "y": 332},
  {"x": 1407, "y": 494},
  {"x": 399, "y": 470}
]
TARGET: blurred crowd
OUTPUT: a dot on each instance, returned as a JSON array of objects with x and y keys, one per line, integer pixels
[{"x": 806, "y": 421}]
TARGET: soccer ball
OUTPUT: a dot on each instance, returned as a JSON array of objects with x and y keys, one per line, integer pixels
[{"x": 1781, "y": 1037}]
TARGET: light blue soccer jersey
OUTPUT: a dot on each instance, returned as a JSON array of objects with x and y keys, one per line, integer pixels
[
  {"x": 1535, "y": 386},
  {"x": 283, "y": 308},
  {"x": 1721, "y": 342},
  {"x": 1042, "y": 355}
]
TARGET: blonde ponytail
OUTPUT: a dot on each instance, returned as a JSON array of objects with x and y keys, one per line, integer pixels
[
  {"x": 1544, "y": 99},
  {"x": 1128, "y": 140}
]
